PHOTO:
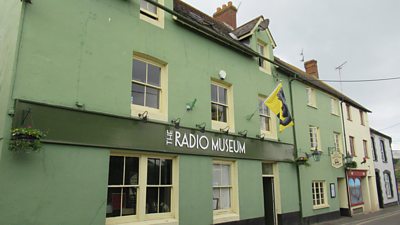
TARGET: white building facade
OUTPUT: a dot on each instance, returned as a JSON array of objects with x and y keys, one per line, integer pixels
[{"x": 384, "y": 169}]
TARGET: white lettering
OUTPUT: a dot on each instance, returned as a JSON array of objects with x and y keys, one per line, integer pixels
[
  {"x": 192, "y": 140},
  {"x": 177, "y": 136},
  {"x": 202, "y": 146},
  {"x": 185, "y": 141}
]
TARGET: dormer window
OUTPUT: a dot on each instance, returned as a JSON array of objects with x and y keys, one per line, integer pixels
[{"x": 151, "y": 13}]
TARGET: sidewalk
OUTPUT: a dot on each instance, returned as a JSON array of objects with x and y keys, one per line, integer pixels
[{"x": 360, "y": 218}]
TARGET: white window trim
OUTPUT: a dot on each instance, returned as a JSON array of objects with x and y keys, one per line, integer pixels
[
  {"x": 217, "y": 125},
  {"x": 170, "y": 218},
  {"x": 326, "y": 204},
  {"x": 272, "y": 132},
  {"x": 161, "y": 113},
  {"x": 335, "y": 107},
  {"x": 311, "y": 97},
  {"x": 318, "y": 137},
  {"x": 337, "y": 140},
  {"x": 266, "y": 68},
  {"x": 159, "y": 21},
  {"x": 231, "y": 214}
]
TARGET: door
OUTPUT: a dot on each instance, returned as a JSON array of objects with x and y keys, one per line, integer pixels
[
  {"x": 378, "y": 188},
  {"x": 269, "y": 200}
]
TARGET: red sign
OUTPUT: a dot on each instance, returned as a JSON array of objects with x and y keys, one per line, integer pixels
[{"x": 356, "y": 173}]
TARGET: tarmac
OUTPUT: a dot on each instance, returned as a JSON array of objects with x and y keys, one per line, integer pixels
[{"x": 364, "y": 218}]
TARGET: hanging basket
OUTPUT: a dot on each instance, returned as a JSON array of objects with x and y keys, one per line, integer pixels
[{"x": 26, "y": 140}]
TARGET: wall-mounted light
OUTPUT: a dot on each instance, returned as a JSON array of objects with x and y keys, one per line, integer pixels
[
  {"x": 190, "y": 105},
  {"x": 225, "y": 130},
  {"x": 316, "y": 155},
  {"x": 222, "y": 74},
  {"x": 143, "y": 116},
  {"x": 243, "y": 133},
  {"x": 201, "y": 126},
  {"x": 176, "y": 122},
  {"x": 260, "y": 136}
]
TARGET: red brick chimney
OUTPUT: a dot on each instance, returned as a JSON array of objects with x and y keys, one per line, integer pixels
[
  {"x": 226, "y": 14},
  {"x": 311, "y": 68}
]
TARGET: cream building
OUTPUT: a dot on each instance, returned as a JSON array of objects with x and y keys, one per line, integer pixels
[{"x": 361, "y": 181}]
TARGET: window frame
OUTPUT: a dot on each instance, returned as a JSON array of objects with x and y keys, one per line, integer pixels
[
  {"x": 311, "y": 97},
  {"x": 232, "y": 213},
  {"x": 272, "y": 132},
  {"x": 311, "y": 130},
  {"x": 365, "y": 148},
  {"x": 337, "y": 141},
  {"x": 156, "y": 19},
  {"x": 387, "y": 180},
  {"x": 141, "y": 214},
  {"x": 374, "y": 154},
  {"x": 334, "y": 107},
  {"x": 362, "y": 118},
  {"x": 383, "y": 151},
  {"x": 314, "y": 194},
  {"x": 266, "y": 66},
  {"x": 348, "y": 112},
  {"x": 215, "y": 124},
  {"x": 161, "y": 113},
  {"x": 352, "y": 145}
]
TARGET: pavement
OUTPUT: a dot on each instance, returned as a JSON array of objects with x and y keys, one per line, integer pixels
[{"x": 366, "y": 218}]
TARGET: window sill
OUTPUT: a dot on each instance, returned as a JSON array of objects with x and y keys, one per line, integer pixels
[
  {"x": 334, "y": 114},
  {"x": 222, "y": 217},
  {"x": 217, "y": 125},
  {"x": 148, "y": 222},
  {"x": 320, "y": 207},
  {"x": 153, "y": 114},
  {"x": 264, "y": 70},
  {"x": 269, "y": 134},
  {"x": 312, "y": 106}
]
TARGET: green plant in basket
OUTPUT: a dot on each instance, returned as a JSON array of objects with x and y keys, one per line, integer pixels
[{"x": 26, "y": 139}]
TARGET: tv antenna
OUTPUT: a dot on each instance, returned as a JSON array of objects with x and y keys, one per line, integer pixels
[
  {"x": 339, "y": 68},
  {"x": 302, "y": 56},
  {"x": 240, "y": 3}
]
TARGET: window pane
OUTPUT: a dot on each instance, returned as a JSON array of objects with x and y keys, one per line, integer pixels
[
  {"x": 214, "y": 96},
  {"x": 225, "y": 175},
  {"x": 225, "y": 198},
  {"x": 221, "y": 113},
  {"x": 222, "y": 95},
  {"x": 165, "y": 199},
  {"x": 214, "y": 113},
  {"x": 137, "y": 97},
  {"x": 129, "y": 201},
  {"x": 166, "y": 171},
  {"x": 216, "y": 175},
  {"x": 113, "y": 202},
  {"x": 216, "y": 198},
  {"x": 152, "y": 200},
  {"x": 152, "y": 97},
  {"x": 153, "y": 75},
  {"x": 264, "y": 121},
  {"x": 139, "y": 71},
  {"x": 131, "y": 171},
  {"x": 116, "y": 169},
  {"x": 260, "y": 106},
  {"x": 153, "y": 171}
]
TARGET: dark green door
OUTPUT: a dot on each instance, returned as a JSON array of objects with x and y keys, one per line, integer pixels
[{"x": 269, "y": 200}]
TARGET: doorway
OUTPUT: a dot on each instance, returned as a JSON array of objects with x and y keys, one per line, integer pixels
[
  {"x": 269, "y": 200},
  {"x": 378, "y": 188}
]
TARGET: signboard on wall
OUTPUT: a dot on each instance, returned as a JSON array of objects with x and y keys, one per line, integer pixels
[{"x": 337, "y": 159}]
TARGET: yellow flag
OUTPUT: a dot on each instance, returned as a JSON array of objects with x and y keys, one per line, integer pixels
[{"x": 276, "y": 102}]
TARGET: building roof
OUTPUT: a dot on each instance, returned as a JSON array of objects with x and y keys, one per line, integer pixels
[
  {"x": 380, "y": 134},
  {"x": 303, "y": 76},
  {"x": 247, "y": 27}
]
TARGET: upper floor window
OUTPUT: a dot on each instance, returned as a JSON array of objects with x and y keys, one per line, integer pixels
[
  {"x": 388, "y": 184},
  {"x": 221, "y": 112},
  {"x": 365, "y": 146},
  {"x": 140, "y": 188},
  {"x": 352, "y": 146},
  {"x": 149, "y": 89},
  {"x": 311, "y": 98},
  {"x": 150, "y": 13},
  {"x": 337, "y": 141},
  {"x": 265, "y": 117},
  {"x": 263, "y": 51},
  {"x": 362, "y": 121},
  {"x": 334, "y": 106},
  {"x": 348, "y": 110},
  {"x": 374, "y": 155},
  {"x": 314, "y": 138},
  {"x": 383, "y": 151}
]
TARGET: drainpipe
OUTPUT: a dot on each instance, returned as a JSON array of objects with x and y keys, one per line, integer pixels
[
  {"x": 345, "y": 149},
  {"x": 295, "y": 148}
]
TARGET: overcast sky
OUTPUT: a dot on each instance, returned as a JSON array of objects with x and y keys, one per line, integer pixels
[{"x": 365, "y": 33}]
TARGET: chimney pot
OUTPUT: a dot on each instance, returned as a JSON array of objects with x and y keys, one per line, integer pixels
[
  {"x": 230, "y": 3},
  {"x": 224, "y": 6},
  {"x": 218, "y": 9},
  {"x": 311, "y": 68}
]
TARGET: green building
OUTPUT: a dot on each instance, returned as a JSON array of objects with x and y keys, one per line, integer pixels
[{"x": 150, "y": 116}]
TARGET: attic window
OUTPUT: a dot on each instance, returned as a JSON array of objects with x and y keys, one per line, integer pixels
[{"x": 148, "y": 9}]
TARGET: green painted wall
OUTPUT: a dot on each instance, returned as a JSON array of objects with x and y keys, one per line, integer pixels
[
  {"x": 288, "y": 187},
  {"x": 195, "y": 191},
  {"x": 10, "y": 17},
  {"x": 250, "y": 189},
  {"x": 328, "y": 124},
  {"x": 58, "y": 185}
]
